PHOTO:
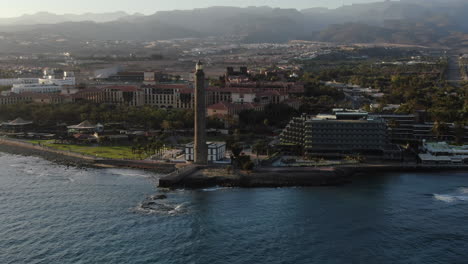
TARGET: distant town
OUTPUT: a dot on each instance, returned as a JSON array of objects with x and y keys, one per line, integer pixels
[{"x": 275, "y": 105}]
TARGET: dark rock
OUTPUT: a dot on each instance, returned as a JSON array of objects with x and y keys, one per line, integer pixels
[{"x": 159, "y": 197}]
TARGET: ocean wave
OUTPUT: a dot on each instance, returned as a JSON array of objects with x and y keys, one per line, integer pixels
[
  {"x": 129, "y": 173},
  {"x": 214, "y": 189},
  {"x": 445, "y": 198},
  {"x": 161, "y": 208},
  {"x": 460, "y": 195}
]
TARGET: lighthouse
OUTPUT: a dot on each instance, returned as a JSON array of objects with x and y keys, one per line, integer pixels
[{"x": 200, "y": 146}]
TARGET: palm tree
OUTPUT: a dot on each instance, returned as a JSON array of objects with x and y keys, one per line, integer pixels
[
  {"x": 158, "y": 147},
  {"x": 459, "y": 132},
  {"x": 440, "y": 129},
  {"x": 259, "y": 147},
  {"x": 236, "y": 150}
]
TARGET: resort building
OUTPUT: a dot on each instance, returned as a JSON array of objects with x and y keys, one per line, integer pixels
[
  {"x": 405, "y": 129},
  {"x": 36, "y": 88},
  {"x": 180, "y": 96},
  {"x": 443, "y": 153},
  {"x": 216, "y": 151},
  {"x": 12, "y": 81},
  {"x": 42, "y": 98},
  {"x": 127, "y": 95},
  {"x": 223, "y": 110},
  {"x": 342, "y": 132}
]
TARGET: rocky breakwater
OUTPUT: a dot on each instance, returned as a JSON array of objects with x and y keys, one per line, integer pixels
[
  {"x": 289, "y": 177},
  {"x": 201, "y": 177}
]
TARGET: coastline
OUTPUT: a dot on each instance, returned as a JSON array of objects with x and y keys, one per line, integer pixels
[
  {"x": 206, "y": 176},
  {"x": 60, "y": 157},
  {"x": 78, "y": 160},
  {"x": 195, "y": 177}
]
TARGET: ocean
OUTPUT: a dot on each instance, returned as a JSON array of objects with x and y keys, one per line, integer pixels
[{"x": 51, "y": 213}]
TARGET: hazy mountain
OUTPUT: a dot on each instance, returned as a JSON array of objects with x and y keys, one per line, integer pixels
[
  {"x": 426, "y": 22},
  {"x": 50, "y": 18},
  {"x": 256, "y": 23}
]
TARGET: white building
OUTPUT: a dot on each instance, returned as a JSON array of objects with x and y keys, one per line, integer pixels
[
  {"x": 443, "y": 153},
  {"x": 12, "y": 81},
  {"x": 239, "y": 96},
  {"x": 216, "y": 151},
  {"x": 67, "y": 80},
  {"x": 35, "y": 88}
]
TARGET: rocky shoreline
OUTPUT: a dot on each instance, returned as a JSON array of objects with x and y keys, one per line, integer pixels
[
  {"x": 210, "y": 176},
  {"x": 77, "y": 160},
  {"x": 203, "y": 177},
  {"x": 50, "y": 156}
]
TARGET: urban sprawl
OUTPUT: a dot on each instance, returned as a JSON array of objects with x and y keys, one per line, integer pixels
[{"x": 295, "y": 105}]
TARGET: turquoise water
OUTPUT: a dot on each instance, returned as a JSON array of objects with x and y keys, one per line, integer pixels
[{"x": 54, "y": 214}]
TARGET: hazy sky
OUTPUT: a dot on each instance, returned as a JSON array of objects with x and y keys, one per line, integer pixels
[{"x": 11, "y": 8}]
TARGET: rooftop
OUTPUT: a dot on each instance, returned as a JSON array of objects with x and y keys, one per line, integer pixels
[
  {"x": 18, "y": 122},
  {"x": 210, "y": 144}
]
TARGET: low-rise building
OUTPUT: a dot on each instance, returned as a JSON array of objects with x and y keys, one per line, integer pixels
[
  {"x": 224, "y": 109},
  {"x": 443, "y": 153},
  {"x": 12, "y": 81},
  {"x": 216, "y": 151},
  {"x": 16, "y": 126},
  {"x": 85, "y": 127},
  {"x": 36, "y": 88}
]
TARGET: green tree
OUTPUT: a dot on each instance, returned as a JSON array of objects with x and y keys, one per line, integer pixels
[
  {"x": 236, "y": 150},
  {"x": 440, "y": 129}
]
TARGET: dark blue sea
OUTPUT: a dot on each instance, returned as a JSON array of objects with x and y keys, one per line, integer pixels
[{"x": 54, "y": 214}]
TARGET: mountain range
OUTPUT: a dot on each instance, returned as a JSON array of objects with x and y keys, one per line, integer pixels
[
  {"x": 441, "y": 23},
  {"x": 51, "y": 18}
]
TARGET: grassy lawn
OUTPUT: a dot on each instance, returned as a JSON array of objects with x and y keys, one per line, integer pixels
[{"x": 111, "y": 152}]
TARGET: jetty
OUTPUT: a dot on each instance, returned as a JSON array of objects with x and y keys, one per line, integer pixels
[{"x": 194, "y": 176}]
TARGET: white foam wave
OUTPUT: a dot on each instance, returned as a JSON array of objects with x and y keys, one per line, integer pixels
[
  {"x": 28, "y": 171},
  {"x": 178, "y": 209},
  {"x": 459, "y": 195},
  {"x": 445, "y": 198},
  {"x": 128, "y": 173},
  {"x": 214, "y": 189},
  {"x": 160, "y": 208}
]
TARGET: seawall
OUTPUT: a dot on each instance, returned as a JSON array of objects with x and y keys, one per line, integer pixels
[{"x": 202, "y": 177}]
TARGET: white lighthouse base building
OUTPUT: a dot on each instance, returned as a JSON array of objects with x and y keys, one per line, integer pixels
[{"x": 216, "y": 151}]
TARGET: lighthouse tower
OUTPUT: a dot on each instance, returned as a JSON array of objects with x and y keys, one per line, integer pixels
[{"x": 200, "y": 147}]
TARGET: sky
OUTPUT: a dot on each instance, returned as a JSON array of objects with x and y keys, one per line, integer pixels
[{"x": 13, "y": 8}]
